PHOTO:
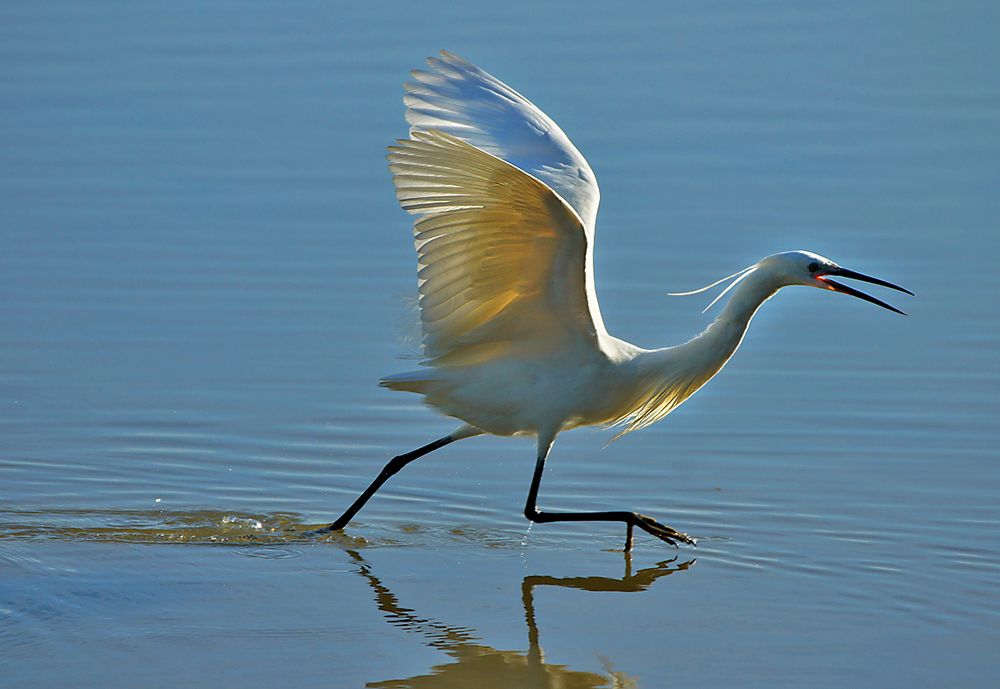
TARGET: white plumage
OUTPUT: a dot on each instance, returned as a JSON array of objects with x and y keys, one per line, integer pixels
[{"x": 513, "y": 338}]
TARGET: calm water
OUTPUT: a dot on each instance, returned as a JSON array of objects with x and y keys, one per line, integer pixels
[{"x": 204, "y": 272}]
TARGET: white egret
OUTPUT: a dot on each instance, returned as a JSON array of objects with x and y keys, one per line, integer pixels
[{"x": 513, "y": 339}]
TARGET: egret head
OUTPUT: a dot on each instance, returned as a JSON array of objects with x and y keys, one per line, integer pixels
[{"x": 813, "y": 270}]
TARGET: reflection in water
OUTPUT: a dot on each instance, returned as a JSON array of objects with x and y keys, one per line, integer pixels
[
  {"x": 472, "y": 663},
  {"x": 477, "y": 665}
]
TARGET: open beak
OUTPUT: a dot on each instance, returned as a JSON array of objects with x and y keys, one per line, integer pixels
[{"x": 844, "y": 273}]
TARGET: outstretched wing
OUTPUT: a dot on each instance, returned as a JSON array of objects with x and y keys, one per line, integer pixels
[
  {"x": 457, "y": 98},
  {"x": 502, "y": 257}
]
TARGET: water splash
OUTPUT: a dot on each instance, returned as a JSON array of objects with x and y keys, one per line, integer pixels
[{"x": 165, "y": 526}]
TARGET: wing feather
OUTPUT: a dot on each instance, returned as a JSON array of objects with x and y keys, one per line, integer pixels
[
  {"x": 456, "y": 97},
  {"x": 502, "y": 258}
]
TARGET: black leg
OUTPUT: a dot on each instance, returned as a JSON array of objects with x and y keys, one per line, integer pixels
[
  {"x": 631, "y": 519},
  {"x": 394, "y": 465}
]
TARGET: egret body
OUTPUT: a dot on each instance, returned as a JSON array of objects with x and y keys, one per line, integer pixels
[{"x": 513, "y": 338}]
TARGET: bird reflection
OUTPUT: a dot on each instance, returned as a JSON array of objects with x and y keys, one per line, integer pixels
[{"x": 474, "y": 664}]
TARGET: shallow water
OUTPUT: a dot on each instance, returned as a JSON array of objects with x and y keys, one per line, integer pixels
[{"x": 205, "y": 272}]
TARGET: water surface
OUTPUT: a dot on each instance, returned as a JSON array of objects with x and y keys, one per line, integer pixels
[{"x": 204, "y": 273}]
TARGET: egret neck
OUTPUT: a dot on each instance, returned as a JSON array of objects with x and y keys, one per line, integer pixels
[
  {"x": 720, "y": 340},
  {"x": 666, "y": 377},
  {"x": 726, "y": 332}
]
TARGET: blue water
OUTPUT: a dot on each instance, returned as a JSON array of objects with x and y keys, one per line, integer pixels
[{"x": 204, "y": 272}]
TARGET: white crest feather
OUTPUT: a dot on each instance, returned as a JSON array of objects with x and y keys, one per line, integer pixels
[{"x": 738, "y": 275}]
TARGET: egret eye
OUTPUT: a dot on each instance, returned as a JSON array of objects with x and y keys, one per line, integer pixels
[{"x": 813, "y": 267}]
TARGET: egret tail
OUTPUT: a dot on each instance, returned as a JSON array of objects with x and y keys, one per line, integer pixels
[{"x": 414, "y": 381}]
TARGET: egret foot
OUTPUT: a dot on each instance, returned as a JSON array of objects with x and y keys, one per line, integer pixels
[{"x": 655, "y": 528}]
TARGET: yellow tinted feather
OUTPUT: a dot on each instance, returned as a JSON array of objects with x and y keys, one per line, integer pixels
[{"x": 501, "y": 255}]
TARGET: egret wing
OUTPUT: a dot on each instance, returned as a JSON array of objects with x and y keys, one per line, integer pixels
[
  {"x": 457, "y": 98},
  {"x": 501, "y": 256}
]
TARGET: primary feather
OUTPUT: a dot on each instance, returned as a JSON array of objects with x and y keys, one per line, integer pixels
[{"x": 455, "y": 97}]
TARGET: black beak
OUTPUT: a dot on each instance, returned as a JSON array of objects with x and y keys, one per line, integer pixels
[{"x": 844, "y": 273}]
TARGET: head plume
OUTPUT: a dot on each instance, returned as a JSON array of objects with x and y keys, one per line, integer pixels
[{"x": 735, "y": 277}]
